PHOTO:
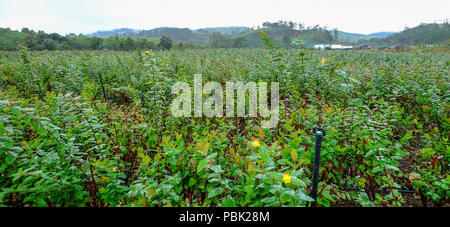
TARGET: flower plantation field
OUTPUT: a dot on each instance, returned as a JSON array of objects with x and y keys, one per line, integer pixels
[{"x": 386, "y": 117}]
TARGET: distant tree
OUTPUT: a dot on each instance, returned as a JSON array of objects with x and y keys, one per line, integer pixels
[
  {"x": 49, "y": 44},
  {"x": 95, "y": 43},
  {"x": 291, "y": 25},
  {"x": 328, "y": 35},
  {"x": 216, "y": 40},
  {"x": 165, "y": 43},
  {"x": 336, "y": 34},
  {"x": 286, "y": 41},
  {"x": 239, "y": 42},
  {"x": 129, "y": 44},
  {"x": 25, "y": 30}
]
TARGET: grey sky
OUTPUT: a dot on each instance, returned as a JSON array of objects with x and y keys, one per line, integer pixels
[{"x": 85, "y": 16}]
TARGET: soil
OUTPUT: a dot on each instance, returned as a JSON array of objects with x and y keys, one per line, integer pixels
[{"x": 346, "y": 203}]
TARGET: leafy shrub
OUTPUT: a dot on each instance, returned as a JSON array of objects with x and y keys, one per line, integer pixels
[{"x": 386, "y": 117}]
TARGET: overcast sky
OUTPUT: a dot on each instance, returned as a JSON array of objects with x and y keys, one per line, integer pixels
[{"x": 86, "y": 16}]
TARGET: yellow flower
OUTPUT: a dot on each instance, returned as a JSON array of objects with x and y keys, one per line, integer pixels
[
  {"x": 324, "y": 60},
  {"x": 286, "y": 178},
  {"x": 256, "y": 143},
  {"x": 147, "y": 52}
]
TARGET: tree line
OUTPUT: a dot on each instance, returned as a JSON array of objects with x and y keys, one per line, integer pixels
[
  {"x": 282, "y": 32},
  {"x": 9, "y": 39}
]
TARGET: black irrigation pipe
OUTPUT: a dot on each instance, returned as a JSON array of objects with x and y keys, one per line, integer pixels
[
  {"x": 103, "y": 87},
  {"x": 320, "y": 133}
]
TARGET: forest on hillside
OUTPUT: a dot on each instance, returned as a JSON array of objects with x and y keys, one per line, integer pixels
[
  {"x": 37, "y": 41},
  {"x": 422, "y": 34}
]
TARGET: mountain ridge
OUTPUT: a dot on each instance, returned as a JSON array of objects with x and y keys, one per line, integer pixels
[{"x": 200, "y": 35}]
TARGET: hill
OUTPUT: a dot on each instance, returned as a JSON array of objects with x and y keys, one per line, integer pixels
[
  {"x": 119, "y": 32},
  {"x": 347, "y": 37},
  {"x": 182, "y": 35},
  {"x": 380, "y": 34},
  {"x": 422, "y": 34},
  {"x": 282, "y": 34},
  {"x": 227, "y": 31}
]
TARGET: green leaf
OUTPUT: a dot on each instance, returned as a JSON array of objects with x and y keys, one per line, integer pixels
[
  {"x": 294, "y": 155},
  {"x": 228, "y": 202},
  {"x": 406, "y": 137},
  {"x": 286, "y": 195},
  {"x": 391, "y": 167},
  {"x": 215, "y": 192},
  {"x": 201, "y": 165},
  {"x": 302, "y": 196},
  {"x": 358, "y": 102},
  {"x": 146, "y": 160},
  {"x": 370, "y": 153},
  {"x": 165, "y": 187},
  {"x": 191, "y": 182},
  {"x": 297, "y": 182},
  {"x": 10, "y": 159}
]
